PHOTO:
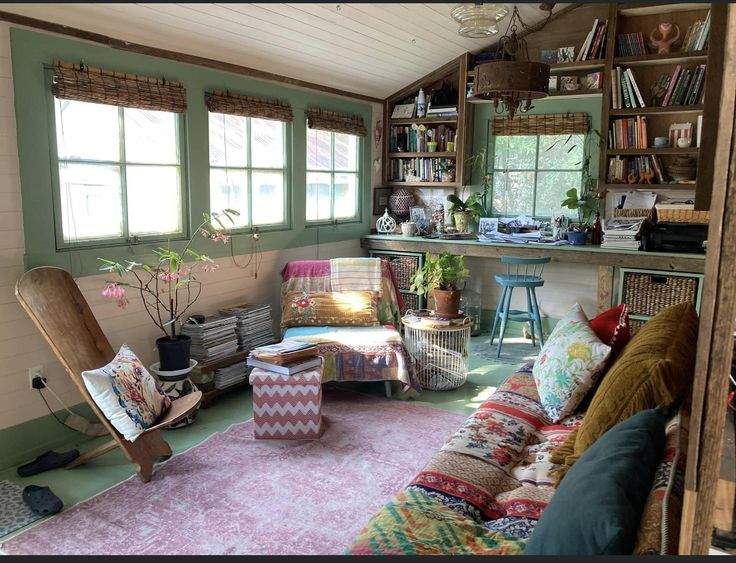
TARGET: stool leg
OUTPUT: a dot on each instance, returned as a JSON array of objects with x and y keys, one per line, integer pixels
[
  {"x": 499, "y": 308},
  {"x": 535, "y": 303},
  {"x": 504, "y": 320},
  {"x": 530, "y": 311}
]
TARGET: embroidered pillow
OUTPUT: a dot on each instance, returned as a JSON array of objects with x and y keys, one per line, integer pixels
[
  {"x": 613, "y": 328},
  {"x": 129, "y": 396},
  {"x": 329, "y": 308},
  {"x": 569, "y": 364}
]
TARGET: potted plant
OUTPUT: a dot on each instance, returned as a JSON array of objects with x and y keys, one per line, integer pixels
[
  {"x": 442, "y": 275},
  {"x": 463, "y": 211},
  {"x": 168, "y": 287}
]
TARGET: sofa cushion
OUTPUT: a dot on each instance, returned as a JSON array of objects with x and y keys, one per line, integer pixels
[
  {"x": 597, "y": 508},
  {"x": 613, "y": 328},
  {"x": 329, "y": 308},
  {"x": 569, "y": 364},
  {"x": 655, "y": 368}
]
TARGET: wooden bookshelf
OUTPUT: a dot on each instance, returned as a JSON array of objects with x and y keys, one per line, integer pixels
[
  {"x": 654, "y": 110},
  {"x": 692, "y": 151}
]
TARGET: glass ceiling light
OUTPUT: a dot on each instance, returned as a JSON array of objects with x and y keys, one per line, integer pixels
[
  {"x": 512, "y": 81},
  {"x": 478, "y": 20}
]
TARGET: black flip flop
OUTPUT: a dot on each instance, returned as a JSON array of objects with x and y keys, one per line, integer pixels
[
  {"x": 46, "y": 461},
  {"x": 41, "y": 500}
]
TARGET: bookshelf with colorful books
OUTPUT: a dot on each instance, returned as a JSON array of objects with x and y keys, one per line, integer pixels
[{"x": 653, "y": 105}]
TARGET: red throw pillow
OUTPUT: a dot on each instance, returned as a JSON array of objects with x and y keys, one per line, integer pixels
[{"x": 613, "y": 328}]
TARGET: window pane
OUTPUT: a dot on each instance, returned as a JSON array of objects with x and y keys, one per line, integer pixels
[
  {"x": 87, "y": 131},
  {"x": 228, "y": 140},
  {"x": 150, "y": 136},
  {"x": 318, "y": 196},
  {"x": 522, "y": 152},
  {"x": 513, "y": 193},
  {"x": 318, "y": 149},
  {"x": 345, "y": 195},
  {"x": 551, "y": 188},
  {"x": 500, "y": 152},
  {"x": 154, "y": 202},
  {"x": 561, "y": 152},
  {"x": 267, "y": 143},
  {"x": 90, "y": 201},
  {"x": 268, "y": 197},
  {"x": 229, "y": 190},
  {"x": 346, "y": 152}
]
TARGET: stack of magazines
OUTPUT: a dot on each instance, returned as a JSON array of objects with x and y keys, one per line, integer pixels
[
  {"x": 231, "y": 375},
  {"x": 287, "y": 357},
  {"x": 622, "y": 232},
  {"x": 254, "y": 325},
  {"x": 212, "y": 339}
]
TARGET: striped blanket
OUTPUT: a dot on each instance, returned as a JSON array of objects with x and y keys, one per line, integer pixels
[{"x": 355, "y": 274}]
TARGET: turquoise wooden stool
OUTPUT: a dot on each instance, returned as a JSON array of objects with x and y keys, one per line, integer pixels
[{"x": 526, "y": 273}]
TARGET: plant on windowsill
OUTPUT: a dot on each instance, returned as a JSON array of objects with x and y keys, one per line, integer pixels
[
  {"x": 442, "y": 276},
  {"x": 169, "y": 287},
  {"x": 476, "y": 206}
]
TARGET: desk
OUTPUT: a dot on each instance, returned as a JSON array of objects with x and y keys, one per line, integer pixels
[{"x": 605, "y": 259}]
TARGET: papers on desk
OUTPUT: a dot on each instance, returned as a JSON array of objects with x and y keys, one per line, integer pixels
[
  {"x": 515, "y": 238},
  {"x": 622, "y": 232}
]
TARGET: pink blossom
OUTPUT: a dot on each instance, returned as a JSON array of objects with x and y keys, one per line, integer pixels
[
  {"x": 185, "y": 272},
  {"x": 123, "y": 302},
  {"x": 221, "y": 237},
  {"x": 168, "y": 276},
  {"x": 209, "y": 266},
  {"x": 114, "y": 290}
]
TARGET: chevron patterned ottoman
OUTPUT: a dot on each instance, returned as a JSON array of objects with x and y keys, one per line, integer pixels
[{"x": 287, "y": 407}]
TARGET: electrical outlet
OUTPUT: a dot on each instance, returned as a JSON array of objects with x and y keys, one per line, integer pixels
[{"x": 33, "y": 373}]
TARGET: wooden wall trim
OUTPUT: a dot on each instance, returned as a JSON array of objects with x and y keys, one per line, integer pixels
[
  {"x": 718, "y": 308},
  {"x": 176, "y": 56}
]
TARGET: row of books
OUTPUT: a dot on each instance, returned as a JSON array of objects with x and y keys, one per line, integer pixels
[
  {"x": 697, "y": 35},
  {"x": 254, "y": 325},
  {"x": 685, "y": 87},
  {"x": 410, "y": 139},
  {"x": 630, "y": 45},
  {"x": 625, "y": 91},
  {"x": 421, "y": 169},
  {"x": 623, "y": 168},
  {"x": 287, "y": 357},
  {"x": 212, "y": 339},
  {"x": 594, "y": 46},
  {"x": 628, "y": 133}
]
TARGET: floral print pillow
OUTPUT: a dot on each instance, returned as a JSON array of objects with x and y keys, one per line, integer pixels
[
  {"x": 569, "y": 364},
  {"x": 329, "y": 308}
]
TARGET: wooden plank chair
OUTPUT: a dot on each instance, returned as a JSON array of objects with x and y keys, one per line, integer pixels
[{"x": 52, "y": 299}]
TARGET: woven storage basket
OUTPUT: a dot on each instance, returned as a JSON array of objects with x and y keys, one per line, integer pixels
[
  {"x": 636, "y": 324},
  {"x": 404, "y": 268},
  {"x": 647, "y": 294},
  {"x": 411, "y": 301},
  {"x": 683, "y": 216},
  {"x": 648, "y": 213}
]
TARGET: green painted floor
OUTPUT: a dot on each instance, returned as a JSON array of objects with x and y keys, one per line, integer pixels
[{"x": 85, "y": 481}]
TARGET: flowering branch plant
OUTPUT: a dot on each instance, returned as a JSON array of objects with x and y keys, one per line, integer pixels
[{"x": 169, "y": 287}]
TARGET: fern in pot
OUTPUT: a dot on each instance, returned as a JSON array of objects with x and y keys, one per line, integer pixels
[{"x": 442, "y": 275}]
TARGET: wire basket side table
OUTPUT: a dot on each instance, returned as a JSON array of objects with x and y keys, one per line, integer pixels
[{"x": 439, "y": 353}]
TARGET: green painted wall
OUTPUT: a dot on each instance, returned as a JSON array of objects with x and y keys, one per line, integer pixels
[
  {"x": 484, "y": 114},
  {"x": 32, "y": 51}
]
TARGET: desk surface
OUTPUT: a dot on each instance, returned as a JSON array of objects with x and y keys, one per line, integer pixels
[{"x": 588, "y": 254}]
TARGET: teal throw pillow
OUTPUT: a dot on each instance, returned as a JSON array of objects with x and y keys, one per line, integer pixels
[{"x": 598, "y": 505}]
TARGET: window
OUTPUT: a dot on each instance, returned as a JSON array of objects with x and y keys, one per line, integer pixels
[
  {"x": 119, "y": 172},
  {"x": 248, "y": 168},
  {"x": 332, "y": 176},
  {"x": 531, "y": 173}
]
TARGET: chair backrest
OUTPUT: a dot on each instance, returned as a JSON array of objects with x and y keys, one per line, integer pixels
[
  {"x": 53, "y": 301},
  {"x": 525, "y": 268}
]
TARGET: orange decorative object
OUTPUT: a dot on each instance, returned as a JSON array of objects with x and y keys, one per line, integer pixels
[
  {"x": 664, "y": 45},
  {"x": 646, "y": 177},
  {"x": 632, "y": 178}
]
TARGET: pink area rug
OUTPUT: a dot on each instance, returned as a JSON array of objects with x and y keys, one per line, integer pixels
[{"x": 233, "y": 494}]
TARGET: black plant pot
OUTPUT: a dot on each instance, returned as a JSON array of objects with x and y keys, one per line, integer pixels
[{"x": 173, "y": 354}]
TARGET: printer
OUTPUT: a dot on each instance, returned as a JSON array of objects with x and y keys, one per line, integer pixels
[{"x": 675, "y": 237}]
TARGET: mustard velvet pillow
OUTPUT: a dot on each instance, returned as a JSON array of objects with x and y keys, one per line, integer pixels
[
  {"x": 655, "y": 368},
  {"x": 330, "y": 308}
]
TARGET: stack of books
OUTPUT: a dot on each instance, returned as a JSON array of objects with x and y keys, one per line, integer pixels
[
  {"x": 442, "y": 110},
  {"x": 622, "y": 232},
  {"x": 630, "y": 45},
  {"x": 231, "y": 375},
  {"x": 620, "y": 168},
  {"x": 254, "y": 324},
  {"x": 696, "y": 38},
  {"x": 628, "y": 133},
  {"x": 625, "y": 92},
  {"x": 212, "y": 339},
  {"x": 287, "y": 357},
  {"x": 594, "y": 46},
  {"x": 685, "y": 87}
]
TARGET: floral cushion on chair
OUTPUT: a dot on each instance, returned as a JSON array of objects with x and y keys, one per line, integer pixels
[
  {"x": 329, "y": 308},
  {"x": 569, "y": 364},
  {"x": 129, "y": 396}
]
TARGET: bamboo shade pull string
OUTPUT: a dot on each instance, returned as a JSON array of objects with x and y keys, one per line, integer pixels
[{"x": 335, "y": 122}]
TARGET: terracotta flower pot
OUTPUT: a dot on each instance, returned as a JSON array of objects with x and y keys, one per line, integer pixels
[{"x": 446, "y": 302}]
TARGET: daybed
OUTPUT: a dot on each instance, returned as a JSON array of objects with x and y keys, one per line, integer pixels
[
  {"x": 353, "y": 353},
  {"x": 487, "y": 488}
]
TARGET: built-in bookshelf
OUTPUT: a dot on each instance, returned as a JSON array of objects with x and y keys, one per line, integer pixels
[{"x": 428, "y": 150}]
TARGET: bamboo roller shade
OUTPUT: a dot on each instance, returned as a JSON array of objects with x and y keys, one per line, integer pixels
[
  {"x": 88, "y": 84},
  {"x": 247, "y": 106},
  {"x": 551, "y": 124},
  {"x": 335, "y": 122}
]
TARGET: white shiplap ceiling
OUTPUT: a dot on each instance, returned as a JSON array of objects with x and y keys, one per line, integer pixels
[{"x": 372, "y": 49}]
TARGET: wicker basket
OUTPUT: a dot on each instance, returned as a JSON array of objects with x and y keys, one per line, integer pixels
[
  {"x": 648, "y": 213},
  {"x": 404, "y": 268},
  {"x": 683, "y": 216},
  {"x": 647, "y": 294},
  {"x": 411, "y": 301},
  {"x": 635, "y": 324}
]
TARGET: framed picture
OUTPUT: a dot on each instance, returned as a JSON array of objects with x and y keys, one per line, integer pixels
[
  {"x": 593, "y": 81},
  {"x": 417, "y": 214},
  {"x": 403, "y": 110},
  {"x": 569, "y": 83},
  {"x": 566, "y": 55},
  {"x": 548, "y": 56},
  {"x": 553, "y": 84},
  {"x": 488, "y": 225},
  {"x": 380, "y": 200}
]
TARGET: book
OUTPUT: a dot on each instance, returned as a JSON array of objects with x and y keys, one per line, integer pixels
[
  {"x": 287, "y": 357},
  {"x": 286, "y": 369},
  {"x": 283, "y": 347},
  {"x": 673, "y": 81},
  {"x": 635, "y": 86},
  {"x": 584, "y": 47},
  {"x": 699, "y": 130}
]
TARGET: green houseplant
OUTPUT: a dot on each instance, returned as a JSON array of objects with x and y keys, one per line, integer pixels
[
  {"x": 442, "y": 276},
  {"x": 463, "y": 210}
]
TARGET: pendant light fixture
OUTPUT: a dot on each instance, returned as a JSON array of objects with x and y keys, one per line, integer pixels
[
  {"x": 478, "y": 20},
  {"x": 512, "y": 81}
]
